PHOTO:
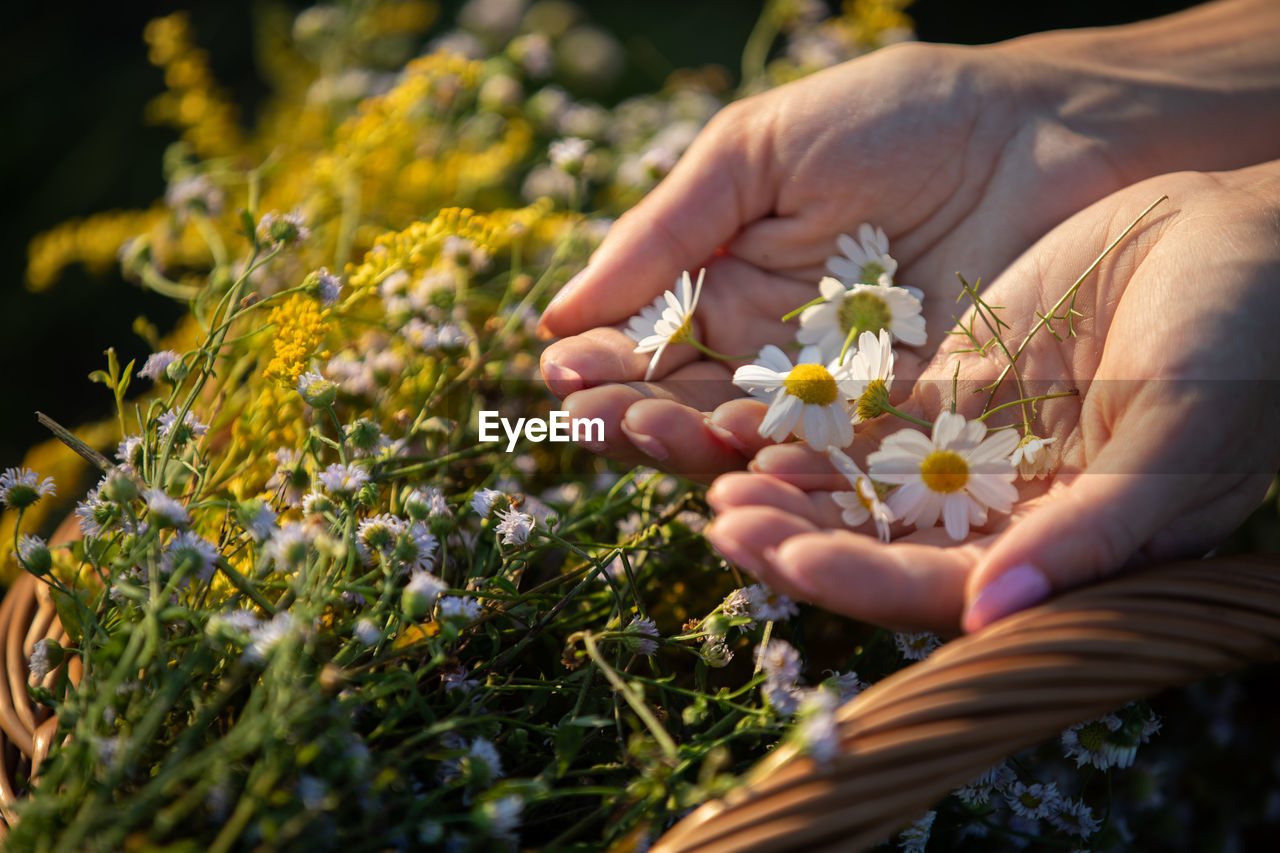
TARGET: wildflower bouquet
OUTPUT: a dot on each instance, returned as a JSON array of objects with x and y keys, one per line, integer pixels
[{"x": 312, "y": 607}]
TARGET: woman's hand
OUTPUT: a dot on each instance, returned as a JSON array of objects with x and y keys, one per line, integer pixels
[
  {"x": 965, "y": 156},
  {"x": 1172, "y": 442}
]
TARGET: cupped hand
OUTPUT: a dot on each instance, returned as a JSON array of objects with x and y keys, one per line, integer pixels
[
  {"x": 1172, "y": 441},
  {"x": 951, "y": 150}
]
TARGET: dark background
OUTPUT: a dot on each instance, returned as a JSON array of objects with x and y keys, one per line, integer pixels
[{"x": 73, "y": 84}]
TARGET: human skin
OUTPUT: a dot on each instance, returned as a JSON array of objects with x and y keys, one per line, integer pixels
[
  {"x": 965, "y": 156},
  {"x": 1172, "y": 442}
]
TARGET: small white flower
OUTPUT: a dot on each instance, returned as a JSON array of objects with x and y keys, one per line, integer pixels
[
  {"x": 265, "y": 636},
  {"x": 863, "y": 503},
  {"x": 569, "y": 154},
  {"x": 917, "y": 646},
  {"x": 1030, "y": 457},
  {"x": 669, "y": 320},
  {"x": 1076, "y": 818},
  {"x": 290, "y": 545},
  {"x": 809, "y": 399},
  {"x": 377, "y": 536},
  {"x": 40, "y": 664},
  {"x": 366, "y": 632},
  {"x": 34, "y": 553},
  {"x": 847, "y": 684},
  {"x": 158, "y": 364},
  {"x": 872, "y": 365},
  {"x": 1033, "y": 801},
  {"x": 483, "y": 501},
  {"x": 97, "y": 515},
  {"x": 130, "y": 451},
  {"x": 184, "y": 431},
  {"x": 817, "y": 730},
  {"x": 715, "y": 652},
  {"x": 22, "y": 487},
  {"x": 287, "y": 229},
  {"x": 461, "y": 609},
  {"x": 423, "y": 589},
  {"x": 194, "y": 192},
  {"x": 316, "y": 391},
  {"x": 416, "y": 549},
  {"x": 514, "y": 526},
  {"x": 325, "y": 284},
  {"x": 486, "y": 753},
  {"x": 316, "y": 503},
  {"x": 914, "y": 838},
  {"x": 780, "y": 662},
  {"x": 736, "y": 604},
  {"x": 193, "y": 553},
  {"x": 783, "y": 697},
  {"x": 504, "y": 816},
  {"x": 644, "y": 634},
  {"x": 165, "y": 511},
  {"x": 766, "y": 605},
  {"x": 857, "y": 309},
  {"x": 1106, "y": 742},
  {"x": 456, "y": 679},
  {"x": 865, "y": 260},
  {"x": 259, "y": 520},
  {"x": 339, "y": 479},
  {"x": 959, "y": 474},
  {"x": 427, "y": 503}
]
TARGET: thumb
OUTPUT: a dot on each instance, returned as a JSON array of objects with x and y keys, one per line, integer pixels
[
  {"x": 715, "y": 188},
  {"x": 1087, "y": 531}
]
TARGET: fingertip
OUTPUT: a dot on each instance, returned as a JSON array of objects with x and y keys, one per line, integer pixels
[
  {"x": 562, "y": 380},
  {"x": 1017, "y": 589}
]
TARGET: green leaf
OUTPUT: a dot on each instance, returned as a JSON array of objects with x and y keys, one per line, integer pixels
[{"x": 68, "y": 614}]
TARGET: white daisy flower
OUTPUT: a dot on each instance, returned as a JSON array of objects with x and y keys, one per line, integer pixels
[
  {"x": 669, "y": 320},
  {"x": 857, "y": 309},
  {"x": 767, "y": 605},
  {"x": 809, "y": 399},
  {"x": 817, "y": 729},
  {"x": 1030, "y": 457},
  {"x": 22, "y": 487},
  {"x": 514, "y": 526},
  {"x": 917, "y": 646},
  {"x": 460, "y": 609},
  {"x": 1076, "y": 818},
  {"x": 377, "y": 535},
  {"x": 483, "y": 501},
  {"x": 267, "y": 635},
  {"x": 366, "y": 632},
  {"x": 183, "y": 431},
  {"x": 164, "y": 510},
  {"x": 643, "y": 634},
  {"x": 979, "y": 791},
  {"x": 959, "y": 474},
  {"x": 1034, "y": 801},
  {"x": 339, "y": 479},
  {"x": 483, "y": 751},
  {"x": 290, "y": 545},
  {"x": 865, "y": 260},
  {"x": 872, "y": 365},
  {"x": 863, "y": 503},
  {"x": 34, "y": 554},
  {"x": 157, "y": 365},
  {"x": 780, "y": 662},
  {"x": 191, "y": 553}
]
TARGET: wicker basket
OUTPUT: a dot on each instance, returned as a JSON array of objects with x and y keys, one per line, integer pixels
[{"x": 907, "y": 741}]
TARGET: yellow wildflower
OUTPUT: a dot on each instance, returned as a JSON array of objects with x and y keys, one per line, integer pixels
[{"x": 300, "y": 327}]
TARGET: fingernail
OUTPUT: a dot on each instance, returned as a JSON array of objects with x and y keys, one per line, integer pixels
[
  {"x": 726, "y": 437},
  {"x": 568, "y": 288},
  {"x": 562, "y": 381},
  {"x": 1017, "y": 589},
  {"x": 799, "y": 580},
  {"x": 646, "y": 444}
]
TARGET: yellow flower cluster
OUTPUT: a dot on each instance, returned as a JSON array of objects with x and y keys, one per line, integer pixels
[
  {"x": 301, "y": 324},
  {"x": 193, "y": 102},
  {"x": 870, "y": 20},
  {"x": 417, "y": 247}
]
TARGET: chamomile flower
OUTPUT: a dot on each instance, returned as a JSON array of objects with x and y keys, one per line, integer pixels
[
  {"x": 488, "y": 501},
  {"x": 265, "y": 636},
  {"x": 1076, "y": 818},
  {"x": 514, "y": 526},
  {"x": 916, "y": 646},
  {"x": 183, "y": 431},
  {"x": 190, "y": 553},
  {"x": 165, "y": 511},
  {"x": 767, "y": 605},
  {"x": 1034, "y": 801},
  {"x": 642, "y": 636},
  {"x": 958, "y": 474},
  {"x": 460, "y": 609},
  {"x": 377, "y": 535},
  {"x": 22, "y": 487},
  {"x": 780, "y": 662},
  {"x": 857, "y": 309},
  {"x": 865, "y": 260},
  {"x": 809, "y": 399},
  {"x": 863, "y": 503},
  {"x": 1030, "y": 457},
  {"x": 872, "y": 365},
  {"x": 339, "y": 479},
  {"x": 817, "y": 728},
  {"x": 669, "y": 320}
]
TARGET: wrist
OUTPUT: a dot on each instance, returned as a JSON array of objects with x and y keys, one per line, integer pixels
[{"x": 1196, "y": 90}]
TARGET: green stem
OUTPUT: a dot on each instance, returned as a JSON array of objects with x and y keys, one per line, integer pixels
[
  {"x": 812, "y": 302},
  {"x": 910, "y": 418},
  {"x": 642, "y": 710},
  {"x": 1074, "y": 392},
  {"x": 699, "y": 345}
]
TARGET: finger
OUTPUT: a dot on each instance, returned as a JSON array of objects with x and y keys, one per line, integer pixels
[
  {"x": 1084, "y": 531},
  {"x": 737, "y": 424},
  {"x": 743, "y": 489},
  {"x": 715, "y": 187},
  {"x": 603, "y": 355},
  {"x": 902, "y": 585},
  {"x": 743, "y": 534},
  {"x": 797, "y": 464},
  {"x": 676, "y": 437}
]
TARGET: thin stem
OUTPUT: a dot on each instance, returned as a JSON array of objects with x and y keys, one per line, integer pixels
[
  {"x": 803, "y": 308},
  {"x": 910, "y": 418},
  {"x": 699, "y": 345},
  {"x": 1074, "y": 392},
  {"x": 642, "y": 710}
]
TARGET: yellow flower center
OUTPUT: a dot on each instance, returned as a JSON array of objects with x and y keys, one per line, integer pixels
[
  {"x": 944, "y": 471},
  {"x": 873, "y": 400},
  {"x": 864, "y": 312},
  {"x": 812, "y": 383},
  {"x": 871, "y": 273},
  {"x": 684, "y": 332}
]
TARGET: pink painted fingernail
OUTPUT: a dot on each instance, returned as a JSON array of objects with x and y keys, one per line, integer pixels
[
  {"x": 726, "y": 437},
  {"x": 646, "y": 444},
  {"x": 562, "y": 381},
  {"x": 1017, "y": 589},
  {"x": 797, "y": 579}
]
